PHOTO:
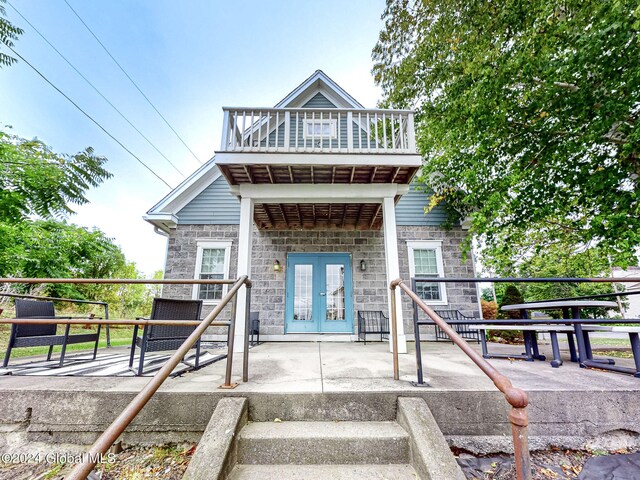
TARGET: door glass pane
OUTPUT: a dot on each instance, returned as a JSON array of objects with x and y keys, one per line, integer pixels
[
  {"x": 303, "y": 292},
  {"x": 335, "y": 292}
]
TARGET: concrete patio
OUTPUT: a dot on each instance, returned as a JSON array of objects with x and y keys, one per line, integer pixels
[{"x": 569, "y": 406}]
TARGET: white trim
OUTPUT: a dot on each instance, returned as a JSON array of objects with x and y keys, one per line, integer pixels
[
  {"x": 392, "y": 263},
  {"x": 318, "y": 159},
  {"x": 429, "y": 245},
  {"x": 308, "y": 83},
  {"x": 245, "y": 246},
  {"x": 203, "y": 244},
  {"x": 311, "y": 193},
  {"x": 321, "y": 121}
]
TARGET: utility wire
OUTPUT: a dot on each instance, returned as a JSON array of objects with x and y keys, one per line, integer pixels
[
  {"x": 133, "y": 82},
  {"x": 96, "y": 89},
  {"x": 89, "y": 117}
]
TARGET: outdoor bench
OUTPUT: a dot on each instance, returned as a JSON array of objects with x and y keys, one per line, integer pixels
[
  {"x": 462, "y": 329},
  {"x": 372, "y": 322}
]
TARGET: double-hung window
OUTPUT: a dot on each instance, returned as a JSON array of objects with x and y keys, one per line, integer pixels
[
  {"x": 317, "y": 128},
  {"x": 425, "y": 261},
  {"x": 212, "y": 263}
]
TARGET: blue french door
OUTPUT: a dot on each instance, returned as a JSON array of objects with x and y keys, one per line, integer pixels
[{"x": 319, "y": 293}]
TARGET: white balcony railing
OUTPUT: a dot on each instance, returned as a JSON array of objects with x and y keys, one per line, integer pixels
[{"x": 321, "y": 130}]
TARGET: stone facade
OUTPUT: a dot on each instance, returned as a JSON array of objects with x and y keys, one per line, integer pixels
[{"x": 370, "y": 290}]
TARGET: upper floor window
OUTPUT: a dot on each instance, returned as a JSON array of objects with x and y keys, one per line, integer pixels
[
  {"x": 212, "y": 263},
  {"x": 320, "y": 128},
  {"x": 425, "y": 261}
]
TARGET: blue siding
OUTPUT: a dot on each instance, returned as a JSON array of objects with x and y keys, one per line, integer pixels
[
  {"x": 319, "y": 101},
  {"x": 213, "y": 206},
  {"x": 410, "y": 209}
]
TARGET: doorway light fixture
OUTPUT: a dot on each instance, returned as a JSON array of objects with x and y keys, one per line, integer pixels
[
  {"x": 276, "y": 266},
  {"x": 363, "y": 265}
]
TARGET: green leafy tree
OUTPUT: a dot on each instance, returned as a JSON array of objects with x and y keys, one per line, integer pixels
[
  {"x": 8, "y": 33},
  {"x": 54, "y": 249},
  {"x": 526, "y": 115},
  {"x": 37, "y": 181}
]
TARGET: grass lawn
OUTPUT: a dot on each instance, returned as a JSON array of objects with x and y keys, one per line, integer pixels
[{"x": 119, "y": 336}]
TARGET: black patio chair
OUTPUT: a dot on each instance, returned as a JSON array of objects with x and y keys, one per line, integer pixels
[
  {"x": 44, "y": 335},
  {"x": 158, "y": 338},
  {"x": 461, "y": 329}
]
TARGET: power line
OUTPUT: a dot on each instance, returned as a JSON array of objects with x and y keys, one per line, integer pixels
[
  {"x": 133, "y": 82},
  {"x": 89, "y": 117},
  {"x": 96, "y": 89}
]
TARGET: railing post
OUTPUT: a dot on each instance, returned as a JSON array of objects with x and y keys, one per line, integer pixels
[
  {"x": 287, "y": 130},
  {"x": 416, "y": 333},
  {"x": 394, "y": 332},
  {"x": 411, "y": 133},
  {"x": 247, "y": 327},
  {"x": 230, "y": 338},
  {"x": 350, "y": 131},
  {"x": 519, "y": 427},
  {"x": 225, "y": 131}
]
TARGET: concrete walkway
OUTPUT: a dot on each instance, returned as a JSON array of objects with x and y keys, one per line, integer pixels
[{"x": 316, "y": 367}]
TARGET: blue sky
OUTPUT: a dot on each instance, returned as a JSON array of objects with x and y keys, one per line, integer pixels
[{"x": 191, "y": 58}]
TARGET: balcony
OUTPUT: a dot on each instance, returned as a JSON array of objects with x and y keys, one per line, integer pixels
[{"x": 319, "y": 130}]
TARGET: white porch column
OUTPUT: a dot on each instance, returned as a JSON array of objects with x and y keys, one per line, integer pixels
[
  {"x": 245, "y": 236},
  {"x": 393, "y": 267}
]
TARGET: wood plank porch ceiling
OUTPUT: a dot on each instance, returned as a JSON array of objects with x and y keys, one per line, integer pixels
[
  {"x": 283, "y": 174},
  {"x": 318, "y": 216}
]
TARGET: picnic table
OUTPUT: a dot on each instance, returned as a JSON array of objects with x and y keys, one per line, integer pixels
[{"x": 571, "y": 324}]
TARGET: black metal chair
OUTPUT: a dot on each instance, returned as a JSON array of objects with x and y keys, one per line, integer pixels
[
  {"x": 44, "y": 335},
  {"x": 157, "y": 338},
  {"x": 461, "y": 328},
  {"x": 372, "y": 322},
  {"x": 254, "y": 321}
]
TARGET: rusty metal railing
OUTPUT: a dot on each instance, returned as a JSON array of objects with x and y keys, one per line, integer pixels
[
  {"x": 517, "y": 398},
  {"x": 103, "y": 443}
]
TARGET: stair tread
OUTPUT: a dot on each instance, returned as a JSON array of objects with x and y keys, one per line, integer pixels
[
  {"x": 268, "y": 430},
  {"x": 330, "y": 472}
]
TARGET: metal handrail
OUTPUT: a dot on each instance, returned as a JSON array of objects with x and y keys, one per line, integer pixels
[
  {"x": 105, "y": 305},
  {"x": 517, "y": 398},
  {"x": 111, "y": 434}
]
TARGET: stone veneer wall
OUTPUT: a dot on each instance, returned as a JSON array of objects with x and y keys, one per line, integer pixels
[{"x": 369, "y": 287}]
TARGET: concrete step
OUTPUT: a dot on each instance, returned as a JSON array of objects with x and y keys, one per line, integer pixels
[
  {"x": 322, "y": 472},
  {"x": 299, "y": 443}
]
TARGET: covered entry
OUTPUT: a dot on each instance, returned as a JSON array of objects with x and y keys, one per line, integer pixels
[{"x": 319, "y": 293}]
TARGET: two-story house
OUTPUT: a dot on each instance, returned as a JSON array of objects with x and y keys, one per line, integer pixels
[{"x": 314, "y": 200}]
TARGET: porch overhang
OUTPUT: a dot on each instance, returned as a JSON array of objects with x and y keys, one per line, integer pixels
[
  {"x": 317, "y": 168},
  {"x": 319, "y": 206}
]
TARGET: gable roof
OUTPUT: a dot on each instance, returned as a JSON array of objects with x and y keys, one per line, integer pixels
[
  {"x": 163, "y": 214},
  {"x": 318, "y": 81}
]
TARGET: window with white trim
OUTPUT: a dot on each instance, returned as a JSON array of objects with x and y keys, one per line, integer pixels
[
  {"x": 425, "y": 260},
  {"x": 212, "y": 263},
  {"x": 320, "y": 128}
]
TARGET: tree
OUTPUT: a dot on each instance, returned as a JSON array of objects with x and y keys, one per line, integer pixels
[
  {"x": 37, "y": 181},
  {"x": 53, "y": 249},
  {"x": 8, "y": 33},
  {"x": 527, "y": 117}
]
